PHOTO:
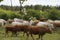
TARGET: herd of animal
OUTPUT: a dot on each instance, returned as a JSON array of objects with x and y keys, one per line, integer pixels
[{"x": 33, "y": 27}]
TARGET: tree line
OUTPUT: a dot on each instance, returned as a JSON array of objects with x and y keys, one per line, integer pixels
[{"x": 33, "y": 12}]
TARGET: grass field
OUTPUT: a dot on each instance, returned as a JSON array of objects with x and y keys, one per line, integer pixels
[{"x": 54, "y": 36}]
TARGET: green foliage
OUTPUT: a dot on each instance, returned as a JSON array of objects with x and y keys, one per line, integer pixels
[
  {"x": 9, "y": 14},
  {"x": 14, "y": 15},
  {"x": 38, "y": 7},
  {"x": 54, "y": 14},
  {"x": 1, "y": 0},
  {"x": 33, "y": 12},
  {"x": 3, "y": 16}
]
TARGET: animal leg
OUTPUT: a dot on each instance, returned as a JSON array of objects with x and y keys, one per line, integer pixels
[
  {"x": 41, "y": 37},
  {"x": 6, "y": 32},
  {"x": 27, "y": 35},
  {"x": 38, "y": 38},
  {"x": 14, "y": 33},
  {"x": 32, "y": 36},
  {"x": 23, "y": 34}
]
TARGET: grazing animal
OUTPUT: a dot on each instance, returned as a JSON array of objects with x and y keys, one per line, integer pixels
[
  {"x": 10, "y": 29},
  {"x": 40, "y": 31},
  {"x": 2, "y": 22},
  {"x": 21, "y": 23},
  {"x": 16, "y": 23},
  {"x": 9, "y": 21},
  {"x": 18, "y": 20},
  {"x": 17, "y": 27},
  {"x": 57, "y": 23},
  {"x": 34, "y": 22},
  {"x": 51, "y": 26},
  {"x": 50, "y": 21},
  {"x": 43, "y": 19}
]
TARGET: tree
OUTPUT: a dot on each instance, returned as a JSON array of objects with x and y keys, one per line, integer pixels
[
  {"x": 11, "y": 4},
  {"x": 21, "y": 8},
  {"x": 21, "y": 2},
  {"x": 53, "y": 14},
  {"x": 38, "y": 7}
]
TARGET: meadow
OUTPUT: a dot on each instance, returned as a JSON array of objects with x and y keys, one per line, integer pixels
[
  {"x": 54, "y": 36},
  {"x": 32, "y": 13}
]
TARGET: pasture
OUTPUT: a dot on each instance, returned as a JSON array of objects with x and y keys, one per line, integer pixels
[{"x": 54, "y": 36}]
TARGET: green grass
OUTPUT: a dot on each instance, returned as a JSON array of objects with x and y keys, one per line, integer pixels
[{"x": 54, "y": 36}]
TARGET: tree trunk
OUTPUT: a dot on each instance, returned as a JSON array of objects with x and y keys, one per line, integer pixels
[{"x": 11, "y": 4}]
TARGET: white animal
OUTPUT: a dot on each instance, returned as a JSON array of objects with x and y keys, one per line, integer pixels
[
  {"x": 31, "y": 22},
  {"x": 40, "y": 24},
  {"x": 2, "y": 22},
  {"x": 21, "y": 23},
  {"x": 50, "y": 21},
  {"x": 18, "y": 20},
  {"x": 26, "y": 23},
  {"x": 16, "y": 23}
]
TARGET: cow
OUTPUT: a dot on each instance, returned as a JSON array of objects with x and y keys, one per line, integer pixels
[
  {"x": 41, "y": 28},
  {"x": 17, "y": 27},
  {"x": 50, "y": 25},
  {"x": 10, "y": 29},
  {"x": 57, "y": 23},
  {"x": 40, "y": 31},
  {"x": 10, "y": 21},
  {"x": 2, "y": 22}
]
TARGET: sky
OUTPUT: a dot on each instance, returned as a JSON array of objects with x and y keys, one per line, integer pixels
[{"x": 32, "y": 2}]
